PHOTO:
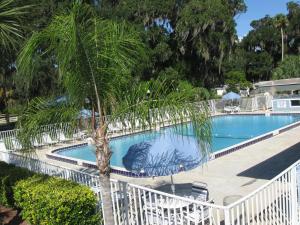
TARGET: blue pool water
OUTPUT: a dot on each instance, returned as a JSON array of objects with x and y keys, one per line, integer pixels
[{"x": 169, "y": 147}]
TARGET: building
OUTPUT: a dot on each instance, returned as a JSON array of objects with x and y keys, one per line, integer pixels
[
  {"x": 221, "y": 90},
  {"x": 279, "y": 87},
  {"x": 286, "y": 104}
]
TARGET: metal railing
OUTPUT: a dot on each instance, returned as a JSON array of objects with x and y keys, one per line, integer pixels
[
  {"x": 10, "y": 138},
  {"x": 276, "y": 202}
]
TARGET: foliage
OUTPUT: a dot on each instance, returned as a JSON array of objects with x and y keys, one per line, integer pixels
[
  {"x": 10, "y": 30},
  {"x": 9, "y": 175},
  {"x": 289, "y": 68},
  {"x": 236, "y": 80},
  {"x": 174, "y": 36},
  {"x": 259, "y": 66},
  {"x": 206, "y": 34},
  {"x": 52, "y": 201}
]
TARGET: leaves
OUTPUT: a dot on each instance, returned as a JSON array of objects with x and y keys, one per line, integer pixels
[
  {"x": 10, "y": 30},
  {"x": 289, "y": 68}
]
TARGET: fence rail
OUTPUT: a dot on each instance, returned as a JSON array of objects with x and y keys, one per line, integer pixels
[{"x": 275, "y": 203}]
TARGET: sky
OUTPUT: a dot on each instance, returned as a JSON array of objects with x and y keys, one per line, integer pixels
[{"x": 257, "y": 9}]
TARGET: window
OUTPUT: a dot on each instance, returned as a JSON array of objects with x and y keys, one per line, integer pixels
[{"x": 295, "y": 102}]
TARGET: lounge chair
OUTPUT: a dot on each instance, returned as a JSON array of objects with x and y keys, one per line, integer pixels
[
  {"x": 2, "y": 146},
  {"x": 62, "y": 137},
  {"x": 227, "y": 109},
  {"x": 114, "y": 128},
  {"x": 16, "y": 145},
  {"x": 79, "y": 135},
  {"x": 37, "y": 142},
  {"x": 47, "y": 139},
  {"x": 236, "y": 109}
]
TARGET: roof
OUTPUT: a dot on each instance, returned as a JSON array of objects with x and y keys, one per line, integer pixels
[{"x": 282, "y": 82}]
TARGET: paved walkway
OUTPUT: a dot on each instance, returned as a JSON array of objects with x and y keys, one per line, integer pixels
[{"x": 240, "y": 172}]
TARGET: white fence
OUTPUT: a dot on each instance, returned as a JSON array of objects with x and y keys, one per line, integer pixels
[
  {"x": 275, "y": 203},
  {"x": 10, "y": 138},
  {"x": 249, "y": 104}
]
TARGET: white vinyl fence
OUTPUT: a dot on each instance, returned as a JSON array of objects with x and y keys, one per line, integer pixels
[
  {"x": 10, "y": 138},
  {"x": 248, "y": 104},
  {"x": 275, "y": 203}
]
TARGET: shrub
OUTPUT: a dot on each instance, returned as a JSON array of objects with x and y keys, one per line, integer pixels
[
  {"x": 9, "y": 175},
  {"x": 51, "y": 201},
  {"x": 289, "y": 68}
]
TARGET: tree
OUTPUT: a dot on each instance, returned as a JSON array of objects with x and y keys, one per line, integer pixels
[
  {"x": 10, "y": 35},
  {"x": 236, "y": 80},
  {"x": 206, "y": 33},
  {"x": 10, "y": 30},
  {"x": 293, "y": 29},
  {"x": 288, "y": 68},
  {"x": 281, "y": 22},
  {"x": 95, "y": 59}
]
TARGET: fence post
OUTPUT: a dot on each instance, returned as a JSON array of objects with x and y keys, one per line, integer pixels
[
  {"x": 226, "y": 216},
  {"x": 294, "y": 197}
]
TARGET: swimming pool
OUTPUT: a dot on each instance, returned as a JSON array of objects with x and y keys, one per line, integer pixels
[{"x": 167, "y": 150}]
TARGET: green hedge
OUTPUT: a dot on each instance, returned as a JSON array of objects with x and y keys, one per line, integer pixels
[
  {"x": 9, "y": 175},
  {"x": 51, "y": 201}
]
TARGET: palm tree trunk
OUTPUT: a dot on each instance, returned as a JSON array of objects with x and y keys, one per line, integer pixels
[
  {"x": 103, "y": 155},
  {"x": 107, "y": 209},
  {"x": 282, "y": 44},
  {"x": 5, "y": 99}
]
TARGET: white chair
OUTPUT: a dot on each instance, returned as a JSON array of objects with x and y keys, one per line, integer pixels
[
  {"x": 114, "y": 128},
  {"x": 37, "y": 142},
  {"x": 199, "y": 216},
  {"x": 127, "y": 125},
  {"x": 227, "y": 109},
  {"x": 2, "y": 146},
  {"x": 236, "y": 109},
  {"x": 16, "y": 144},
  {"x": 200, "y": 191},
  {"x": 62, "y": 137},
  {"x": 47, "y": 139}
]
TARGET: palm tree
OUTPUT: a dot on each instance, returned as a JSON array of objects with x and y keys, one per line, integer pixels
[
  {"x": 10, "y": 30},
  {"x": 281, "y": 22},
  {"x": 10, "y": 34},
  {"x": 95, "y": 58}
]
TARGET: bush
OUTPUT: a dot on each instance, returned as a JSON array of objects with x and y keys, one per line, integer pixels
[
  {"x": 51, "y": 201},
  {"x": 9, "y": 175},
  {"x": 289, "y": 68}
]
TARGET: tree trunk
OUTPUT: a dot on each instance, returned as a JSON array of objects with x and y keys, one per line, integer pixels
[
  {"x": 103, "y": 155},
  {"x": 5, "y": 104},
  {"x": 107, "y": 209},
  {"x": 282, "y": 44}
]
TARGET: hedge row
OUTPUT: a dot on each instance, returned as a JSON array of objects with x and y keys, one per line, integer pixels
[
  {"x": 9, "y": 175},
  {"x": 45, "y": 200}
]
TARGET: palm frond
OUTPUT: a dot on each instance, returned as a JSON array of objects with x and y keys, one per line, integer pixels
[
  {"x": 165, "y": 104},
  {"x": 10, "y": 30},
  {"x": 45, "y": 111}
]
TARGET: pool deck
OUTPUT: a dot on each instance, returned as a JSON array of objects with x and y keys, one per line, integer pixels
[{"x": 238, "y": 173}]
